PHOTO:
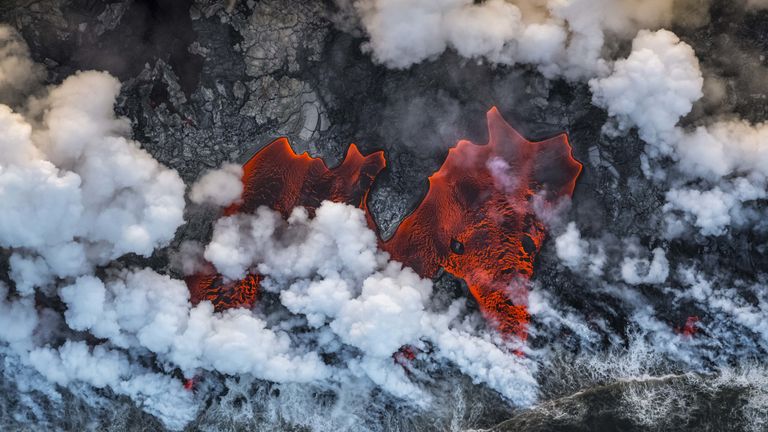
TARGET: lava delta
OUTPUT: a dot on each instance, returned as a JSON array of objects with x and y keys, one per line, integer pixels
[{"x": 478, "y": 220}]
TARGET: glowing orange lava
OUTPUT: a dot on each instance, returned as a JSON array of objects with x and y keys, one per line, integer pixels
[
  {"x": 223, "y": 295},
  {"x": 478, "y": 219},
  {"x": 278, "y": 178}
]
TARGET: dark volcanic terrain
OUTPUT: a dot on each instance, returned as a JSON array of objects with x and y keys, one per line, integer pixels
[{"x": 208, "y": 82}]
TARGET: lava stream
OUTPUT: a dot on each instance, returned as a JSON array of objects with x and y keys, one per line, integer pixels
[{"x": 477, "y": 220}]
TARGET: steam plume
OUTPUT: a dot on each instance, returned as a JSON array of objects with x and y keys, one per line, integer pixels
[{"x": 81, "y": 194}]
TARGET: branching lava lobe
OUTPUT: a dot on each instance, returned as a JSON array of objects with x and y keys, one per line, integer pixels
[
  {"x": 478, "y": 221},
  {"x": 280, "y": 179}
]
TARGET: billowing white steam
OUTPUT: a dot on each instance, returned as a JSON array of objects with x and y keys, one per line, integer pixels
[
  {"x": 652, "y": 89},
  {"x": 636, "y": 271},
  {"x": 144, "y": 309},
  {"x": 563, "y": 38},
  {"x": 574, "y": 252},
  {"x": 723, "y": 148},
  {"x": 328, "y": 269},
  {"x": 220, "y": 187},
  {"x": 78, "y": 193}
]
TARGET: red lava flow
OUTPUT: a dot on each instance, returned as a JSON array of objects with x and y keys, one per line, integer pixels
[
  {"x": 223, "y": 295},
  {"x": 280, "y": 179},
  {"x": 478, "y": 219},
  {"x": 691, "y": 326}
]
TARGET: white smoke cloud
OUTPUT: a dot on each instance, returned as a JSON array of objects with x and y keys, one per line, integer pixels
[
  {"x": 723, "y": 148},
  {"x": 220, "y": 187},
  {"x": 77, "y": 192},
  {"x": 562, "y": 38},
  {"x": 711, "y": 211},
  {"x": 77, "y": 362},
  {"x": 29, "y": 273},
  {"x": 571, "y": 249},
  {"x": 18, "y": 73},
  {"x": 241, "y": 241},
  {"x": 637, "y": 271},
  {"x": 574, "y": 252},
  {"x": 28, "y": 335},
  {"x": 18, "y": 319},
  {"x": 145, "y": 309},
  {"x": 652, "y": 88},
  {"x": 329, "y": 270}
]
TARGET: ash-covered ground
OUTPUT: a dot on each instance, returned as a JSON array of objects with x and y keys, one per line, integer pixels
[{"x": 648, "y": 300}]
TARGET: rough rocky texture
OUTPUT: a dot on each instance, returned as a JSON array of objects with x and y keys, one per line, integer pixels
[{"x": 216, "y": 81}]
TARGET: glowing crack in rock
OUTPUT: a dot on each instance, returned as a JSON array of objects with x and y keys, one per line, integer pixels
[{"x": 478, "y": 219}]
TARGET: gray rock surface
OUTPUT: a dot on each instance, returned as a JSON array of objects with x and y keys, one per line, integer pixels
[{"x": 215, "y": 82}]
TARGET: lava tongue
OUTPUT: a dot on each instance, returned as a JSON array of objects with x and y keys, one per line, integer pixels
[
  {"x": 280, "y": 179},
  {"x": 478, "y": 220}
]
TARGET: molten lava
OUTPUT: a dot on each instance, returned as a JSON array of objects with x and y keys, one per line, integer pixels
[
  {"x": 478, "y": 219},
  {"x": 280, "y": 179},
  {"x": 223, "y": 295},
  {"x": 189, "y": 384},
  {"x": 691, "y": 326}
]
